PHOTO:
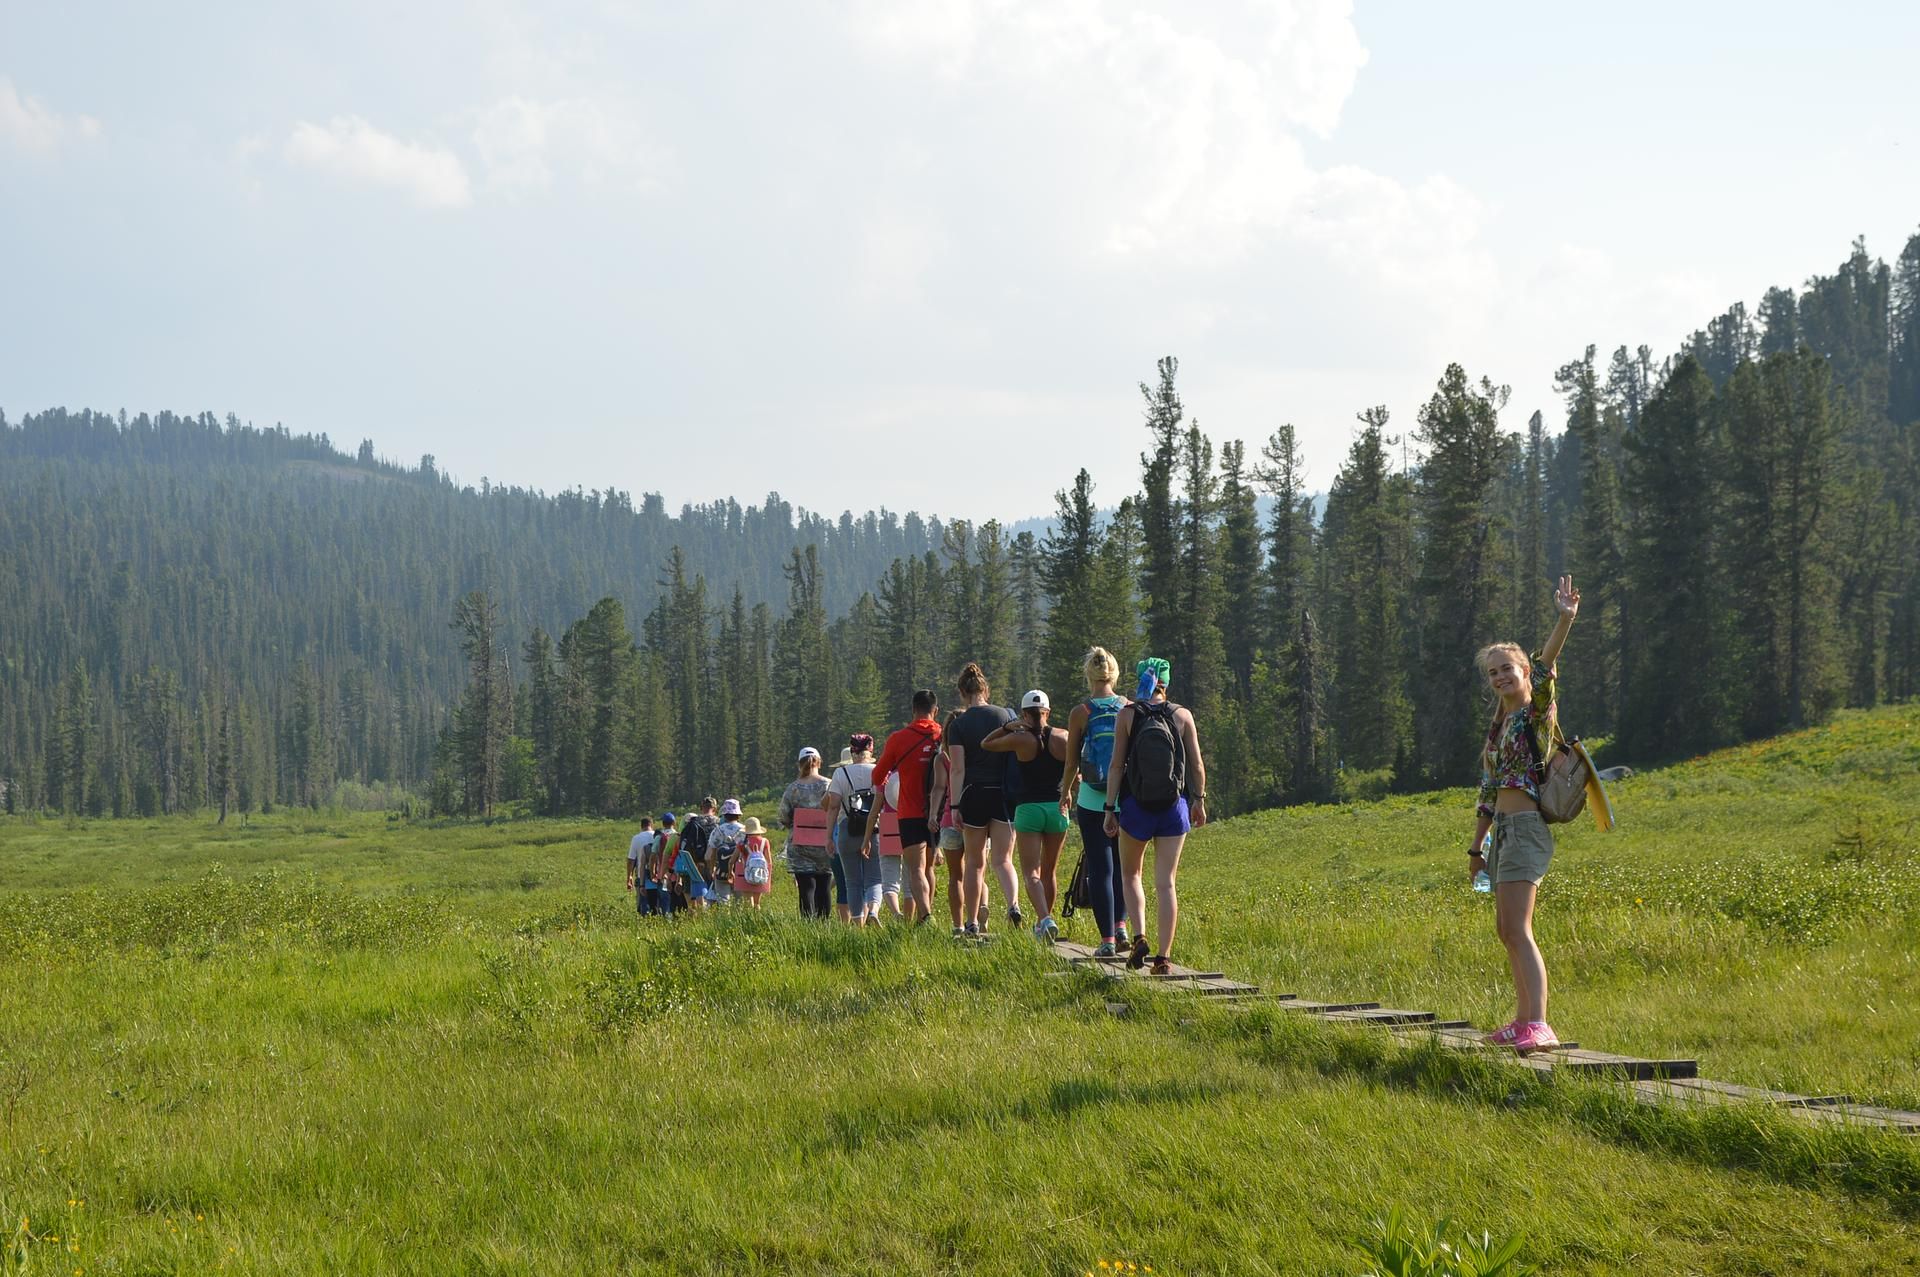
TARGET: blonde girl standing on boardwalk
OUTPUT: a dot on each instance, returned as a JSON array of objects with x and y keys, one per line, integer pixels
[{"x": 1513, "y": 765}]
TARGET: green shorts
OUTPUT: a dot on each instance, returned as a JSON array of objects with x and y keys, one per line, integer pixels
[
  {"x": 1039, "y": 818},
  {"x": 1522, "y": 848}
]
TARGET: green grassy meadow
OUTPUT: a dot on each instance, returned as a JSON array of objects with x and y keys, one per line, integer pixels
[{"x": 319, "y": 1044}]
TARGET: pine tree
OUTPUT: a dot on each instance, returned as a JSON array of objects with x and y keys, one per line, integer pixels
[
  {"x": 542, "y": 702},
  {"x": 1199, "y": 653},
  {"x": 1779, "y": 323},
  {"x": 802, "y": 670},
  {"x": 1159, "y": 518},
  {"x": 223, "y": 783},
  {"x": 1780, "y": 441},
  {"x": 1240, "y": 567},
  {"x": 1282, "y": 473},
  {"x": 1029, "y": 611},
  {"x": 1308, "y": 712},
  {"x": 1593, "y": 555},
  {"x": 1532, "y": 604},
  {"x": 1365, "y": 549},
  {"x": 1679, "y": 695},
  {"x": 485, "y": 716},
  {"x": 1119, "y": 629},
  {"x": 1459, "y": 428},
  {"x": 1069, "y": 558}
]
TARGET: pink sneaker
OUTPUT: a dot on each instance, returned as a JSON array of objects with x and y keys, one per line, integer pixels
[
  {"x": 1504, "y": 1035},
  {"x": 1535, "y": 1035}
]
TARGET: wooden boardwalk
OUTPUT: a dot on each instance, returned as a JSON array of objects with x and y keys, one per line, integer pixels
[{"x": 1653, "y": 1081}]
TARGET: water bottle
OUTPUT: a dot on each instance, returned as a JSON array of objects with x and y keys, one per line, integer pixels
[{"x": 1481, "y": 882}]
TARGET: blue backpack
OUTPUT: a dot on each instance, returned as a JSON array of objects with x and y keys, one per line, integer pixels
[{"x": 1096, "y": 743}]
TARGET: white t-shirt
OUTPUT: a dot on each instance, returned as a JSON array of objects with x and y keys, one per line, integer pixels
[
  {"x": 641, "y": 844},
  {"x": 850, "y": 777}
]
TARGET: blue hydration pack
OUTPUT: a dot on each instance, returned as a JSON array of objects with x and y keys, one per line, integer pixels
[{"x": 1096, "y": 743}]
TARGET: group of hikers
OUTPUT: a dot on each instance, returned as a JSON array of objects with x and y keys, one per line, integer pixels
[
  {"x": 973, "y": 790},
  {"x": 988, "y": 783}
]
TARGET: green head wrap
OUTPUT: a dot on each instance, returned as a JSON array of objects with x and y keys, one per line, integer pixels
[{"x": 1154, "y": 673}]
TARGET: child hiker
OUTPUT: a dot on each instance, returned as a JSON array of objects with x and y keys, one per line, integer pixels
[{"x": 1512, "y": 768}]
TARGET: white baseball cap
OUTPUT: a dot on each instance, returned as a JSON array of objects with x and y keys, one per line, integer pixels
[
  {"x": 1036, "y": 699},
  {"x": 808, "y": 752}
]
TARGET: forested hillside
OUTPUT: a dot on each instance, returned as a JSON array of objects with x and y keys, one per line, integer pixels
[
  {"x": 198, "y": 614},
  {"x": 154, "y": 567}
]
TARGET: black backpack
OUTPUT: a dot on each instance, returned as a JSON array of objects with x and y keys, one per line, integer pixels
[
  {"x": 1156, "y": 756},
  {"x": 693, "y": 839},
  {"x": 856, "y": 809}
]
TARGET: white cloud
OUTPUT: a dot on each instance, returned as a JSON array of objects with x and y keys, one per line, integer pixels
[
  {"x": 1180, "y": 123},
  {"x": 32, "y": 125},
  {"x": 522, "y": 141},
  {"x": 349, "y": 148}
]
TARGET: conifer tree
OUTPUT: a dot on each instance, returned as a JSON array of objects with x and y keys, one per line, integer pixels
[
  {"x": 1366, "y": 546},
  {"x": 1029, "y": 611},
  {"x": 1780, "y": 451},
  {"x": 1119, "y": 629},
  {"x": 485, "y": 716},
  {"x": 1593, "y": 555},
  {"x": 1159, "y": 518},
  {"x": 542, "y": 707},
  {"x": 604, "y": 648},
  {"x": 223, "y": 769},
  {"x": 1532, "y": 604},
  {"x": 1459, "y": 429},
  {"x": 803, "y": 673},
  {"x": 1282, "y": 472},
  {"x": 1240, "y": 566},
  {"x": 1678, "y": 699},
  {"x": 1308, "y": 713},
  {"x": 1069, "y": 559}
]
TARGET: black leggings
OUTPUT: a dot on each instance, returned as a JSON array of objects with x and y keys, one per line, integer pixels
[
  {"x": 816, "y": 894},
  {"x": 1103, "y": 870}
]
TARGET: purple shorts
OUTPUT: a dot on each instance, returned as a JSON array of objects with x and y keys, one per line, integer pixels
[{"x": 1141, "y": 825}]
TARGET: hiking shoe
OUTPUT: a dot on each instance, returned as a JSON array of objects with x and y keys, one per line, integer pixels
[
  {"x": 1160, "y": 967},
  {"x": 1504, "y": 1035},
  {"x": 971, "y": 930},
  {"x": 1137, "y": 955},
  {"x": 1120, "y": 940},
  {"x": 958, "y": 932},
  {"x": 1046, "y": 931},
  {"x": 1015, "y": 918},
  {"x": 1535, "y": 1035},
  {"x": 1106, "y": 950}
]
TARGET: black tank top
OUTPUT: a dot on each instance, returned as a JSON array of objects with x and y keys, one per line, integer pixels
[{"x": 1039, "y": 780}]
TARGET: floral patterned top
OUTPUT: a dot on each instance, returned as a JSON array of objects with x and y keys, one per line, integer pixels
[{"x": 1508, "y": 760}]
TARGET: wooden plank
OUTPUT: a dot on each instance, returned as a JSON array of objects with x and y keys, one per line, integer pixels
[
  {"x": 1389, "y": 1016},
  {"x": 1311, "y": 1007},
  {"x": 1430, "y": 1027},
  {"x": 1702, "y": 1090},
  {"x": 1842, "y": 1112},
  {"x": 1575, "y": 1060},
  {"x": 1226, "y": 987}
]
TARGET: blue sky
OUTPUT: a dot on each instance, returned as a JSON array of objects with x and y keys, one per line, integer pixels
[{"x": 896, "y": 253}]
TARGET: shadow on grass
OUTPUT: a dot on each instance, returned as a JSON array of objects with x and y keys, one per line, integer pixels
[{"x": 1868, "y": 1164}]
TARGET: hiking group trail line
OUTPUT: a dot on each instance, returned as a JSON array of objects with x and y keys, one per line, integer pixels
[{"x": 1654, "y": 1081}]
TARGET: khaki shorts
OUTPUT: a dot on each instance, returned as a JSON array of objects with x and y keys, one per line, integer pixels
[{"x": 1522, "y": 848}]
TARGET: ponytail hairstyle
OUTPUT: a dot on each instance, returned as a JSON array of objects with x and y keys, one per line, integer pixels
[
  {"x": 972, "y": 680},
  {"x": 1101, "y": 667}
]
